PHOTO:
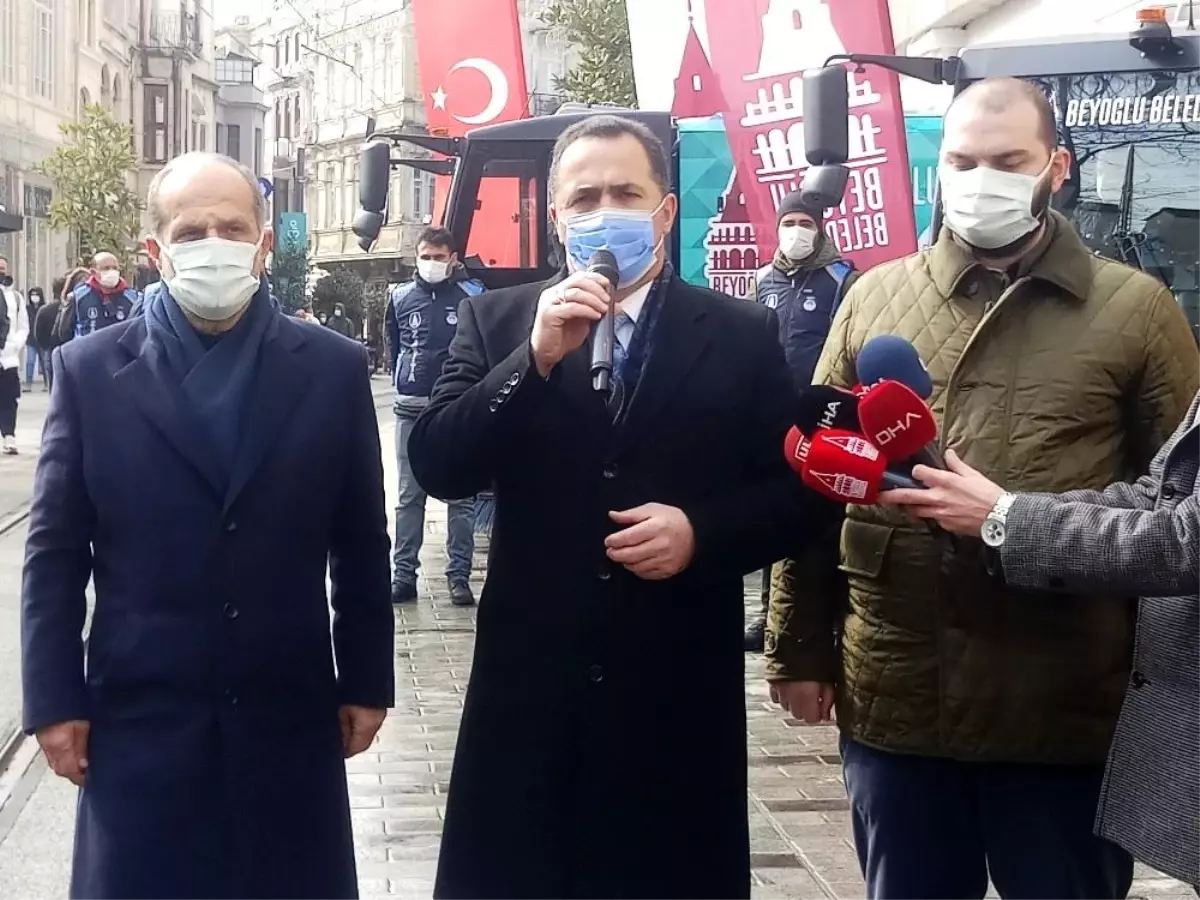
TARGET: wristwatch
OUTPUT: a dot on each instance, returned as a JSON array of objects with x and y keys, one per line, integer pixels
[{"x": 994, "y": 526}]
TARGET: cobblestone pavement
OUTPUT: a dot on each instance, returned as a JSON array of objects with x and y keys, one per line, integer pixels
[{"x": 799, "y": 822}]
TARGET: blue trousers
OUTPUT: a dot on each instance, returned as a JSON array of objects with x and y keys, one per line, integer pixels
[
  {"x": 937, "y": 828},
  {"x": 410, "y": 522}
]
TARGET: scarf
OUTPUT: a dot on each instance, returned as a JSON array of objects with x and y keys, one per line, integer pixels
[
  {"x": 215, "y": 377},
  {"x": 823, "y": 254}
]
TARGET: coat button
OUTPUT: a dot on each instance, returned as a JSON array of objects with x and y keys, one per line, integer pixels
[
  {"x": 604, "y": 575},
  {"x": 231, "y": 697},
  {"x": 610, "y": 472},
  {"x": 514, "y": 379},
  {"x": 231, "y": 611},
  {"x": 493, "y": 405},
  {"x": 596, "y": 674},
  {"x": 231, "y": 525},
  {"x": 1167, "y": 492},
  {"x": 1138, "y": 680}
]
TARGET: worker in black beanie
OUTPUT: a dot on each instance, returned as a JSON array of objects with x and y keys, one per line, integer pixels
[{"x": 804, "y": 284}]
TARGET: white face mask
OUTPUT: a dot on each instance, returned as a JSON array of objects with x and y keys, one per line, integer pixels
[
  {"x": 796, "y": 242},
  {"x": 213, "y": 279},
  {"x": 433, "y": 271},
  {"x": 988, "y": 208},
  {"x": 109, "y": 278}
]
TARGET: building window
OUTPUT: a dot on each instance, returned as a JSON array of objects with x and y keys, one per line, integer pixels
[
  {"x": 154, "y": 123},
  {"x": 220, "y": 136},
  {"x": 233, "y": 141},
  {"x": 203, "y": 143},
  {"x": 232, "y": 70},
  {"x": 422, "y": 195},
  {"x": 296, "y": 54},
  {"x": 287, "y": 50},
  {"x": 258, "y": 148},
  {"x": 278, "y": 50},
  {"x": 278, "y": 121},
  {"x": 8, "y": 42},
  {"x": 43, "y": 49}
]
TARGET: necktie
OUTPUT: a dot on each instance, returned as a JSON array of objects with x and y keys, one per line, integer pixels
[{"x": 623, "y": 332}]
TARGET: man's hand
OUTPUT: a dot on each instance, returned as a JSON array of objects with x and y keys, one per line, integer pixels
[
  {"x": 565, "y": 314},
  {"x": 958, "y": 500},
  {"x": 65, "y": 746},
  {"x": 656, "y": 544},
  {"x": 811, "y": 701},
  {"x": 359, "y": 726}
]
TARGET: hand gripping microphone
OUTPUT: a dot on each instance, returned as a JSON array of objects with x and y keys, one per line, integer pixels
[
  {"x": 604, "y": 263},
  {"x": 848, "y": 468},
  {"x": 899, "y": 423},
  {"x": 823, "y": 406},
  {"x": 892, "y": 358}
]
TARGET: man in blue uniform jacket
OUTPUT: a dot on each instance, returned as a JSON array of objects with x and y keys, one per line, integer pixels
[
  {"x": 105, "y": 298},
  {"x": 421, "y": 320},
  {"x": 804, "y": 284},
  {"x": 175, "y": 470}
]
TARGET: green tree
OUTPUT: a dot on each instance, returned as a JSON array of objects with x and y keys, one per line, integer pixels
[
  {"x": 344, "y": 286},
  {"x": 288, "y": 270},
  {"x": 599, "y": 32},
  {"x": 92, "y": 198}
]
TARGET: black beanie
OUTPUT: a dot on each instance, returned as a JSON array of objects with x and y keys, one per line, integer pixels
[{"x": 793, "y": 203}]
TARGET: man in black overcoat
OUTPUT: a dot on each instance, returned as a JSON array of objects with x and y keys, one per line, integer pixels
[
  {"x": 209, "y": 728},
  {"x": 603, "y": 743}
]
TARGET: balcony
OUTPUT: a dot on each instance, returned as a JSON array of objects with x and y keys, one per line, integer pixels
[
  {"x": 172, "y": 31},
  {"x": 284, "y": 152},
  {"x": 544, "y": 104}
]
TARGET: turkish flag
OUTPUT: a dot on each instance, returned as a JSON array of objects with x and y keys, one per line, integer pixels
[
  {"x": 472, "y": 66},
  {"x": 759, "y": 49},
  {"x": 471, "y": 62}
]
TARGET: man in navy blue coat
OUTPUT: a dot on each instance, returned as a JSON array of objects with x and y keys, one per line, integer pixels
[{"x": 209, "y": 729}]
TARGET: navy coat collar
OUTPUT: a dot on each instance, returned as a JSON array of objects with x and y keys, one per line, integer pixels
[{"x": 282, "y": 379}]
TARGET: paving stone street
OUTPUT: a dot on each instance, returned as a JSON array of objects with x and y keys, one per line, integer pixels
[{"x": 799, "y": 820}]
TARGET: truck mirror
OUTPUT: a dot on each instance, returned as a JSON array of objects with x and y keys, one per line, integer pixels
[
  {"x": 367, "y": 226},
  {"x": 373, "y": 176},
  {"x": 823, "y": 186},
  {"x": 826, "y": 116}
]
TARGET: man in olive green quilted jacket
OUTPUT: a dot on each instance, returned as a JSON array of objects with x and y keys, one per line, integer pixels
[{"x": 975, "y": 717}]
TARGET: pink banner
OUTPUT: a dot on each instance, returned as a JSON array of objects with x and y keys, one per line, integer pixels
[{"x": 758, "y": 49}]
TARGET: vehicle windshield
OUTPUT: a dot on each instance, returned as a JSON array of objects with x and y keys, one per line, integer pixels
[{"x": 1134, "y": 191}]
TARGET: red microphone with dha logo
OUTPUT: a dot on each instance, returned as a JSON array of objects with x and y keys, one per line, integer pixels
[{"x": 899, "y": 423}]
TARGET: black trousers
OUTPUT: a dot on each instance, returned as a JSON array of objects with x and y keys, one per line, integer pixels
[
  {"x": 10, "y": 395},
  {"x": 937, "y": 828}
]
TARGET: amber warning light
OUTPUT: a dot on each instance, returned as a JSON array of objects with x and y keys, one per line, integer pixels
[{"x": 1152, "y": 14}]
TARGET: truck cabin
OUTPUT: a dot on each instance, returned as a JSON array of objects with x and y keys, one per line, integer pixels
[
  {"x": 1128, "y": 110},
  {"x": 496, "y": 206}
]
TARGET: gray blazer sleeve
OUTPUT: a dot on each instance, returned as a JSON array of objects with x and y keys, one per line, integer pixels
[{"x": 1122, "y": 539}]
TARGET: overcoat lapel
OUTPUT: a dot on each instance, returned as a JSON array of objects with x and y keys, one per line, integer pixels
[
  {"x": 148, "y": 384},
  {"x": 281, "y": 380},
  {"x": 679, "y": 341}
]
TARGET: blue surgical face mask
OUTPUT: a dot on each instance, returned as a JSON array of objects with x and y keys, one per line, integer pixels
[{"x": 626, "y": 233}]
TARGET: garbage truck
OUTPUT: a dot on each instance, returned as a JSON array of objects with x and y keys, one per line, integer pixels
[
  {"x": 1128, "y": 107},
  {"x": 1128, "y": 111}
]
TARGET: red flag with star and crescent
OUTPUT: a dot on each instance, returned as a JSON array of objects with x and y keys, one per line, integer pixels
[{"x": 472, "y": 68}]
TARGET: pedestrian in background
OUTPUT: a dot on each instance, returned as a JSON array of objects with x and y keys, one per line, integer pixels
[
  {"x": 208, "y": 719},
  {"x": 16, "y": 315},
  {"x": 33, "y": 354},
  {"x": 55, "y": 322},
  {"x": 804, "y": 284},
  {"x": 421, "y": 318},
  {"x": 568, "y": 780},
  {"x": 975, "y": 716},
  {"x": 105, "y": 298},
  {"x": 340, "y": 322}
]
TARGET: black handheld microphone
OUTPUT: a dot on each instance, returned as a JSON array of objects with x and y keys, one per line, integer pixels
[{"x": 604, "y": 263}]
